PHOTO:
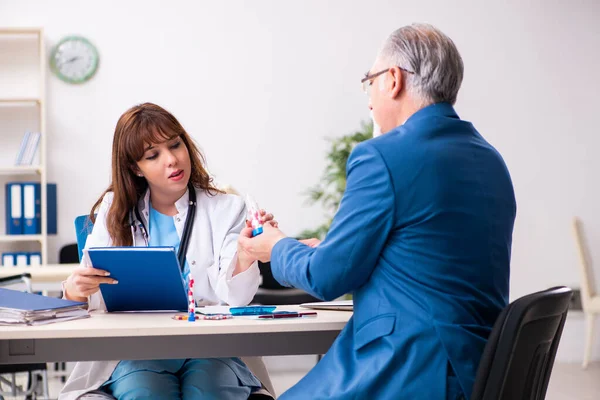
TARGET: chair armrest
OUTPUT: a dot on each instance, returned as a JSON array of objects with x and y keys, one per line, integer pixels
[{"x": 13, "y": 279}]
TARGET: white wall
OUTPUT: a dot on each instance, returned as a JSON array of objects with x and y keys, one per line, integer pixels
[{"x": 260, "y": 84}]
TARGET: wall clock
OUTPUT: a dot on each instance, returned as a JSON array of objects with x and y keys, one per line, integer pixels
[{"x": 74, "y": 59}]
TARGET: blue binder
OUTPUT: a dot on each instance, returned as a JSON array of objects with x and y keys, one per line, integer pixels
[
  {"x": 149, "y": 278},
  {"x": 34, "y": 258},
  {"x": 51, "y": 196},
  {"x": 21, "y": 259},
  {"x": 32, "y": 208},
  {"x": 22, "y": 301},
  {"x": 14, "y": 208},
  {"x": 8, "y": 260},
  {"x": 19, "y": 159}
]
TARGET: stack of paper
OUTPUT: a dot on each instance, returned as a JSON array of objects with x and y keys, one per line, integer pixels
[{"x": 31, "y": 309}]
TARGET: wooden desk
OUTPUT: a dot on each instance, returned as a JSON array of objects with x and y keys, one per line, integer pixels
[{"x": 119, "y": 336}]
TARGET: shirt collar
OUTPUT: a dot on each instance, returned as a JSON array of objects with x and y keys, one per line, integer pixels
[
  {"x": 184, "y": 202},
  {"x": 434, "y": 110}
]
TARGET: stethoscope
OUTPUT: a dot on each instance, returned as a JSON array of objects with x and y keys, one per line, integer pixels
[{"x": 187, "y": 229}]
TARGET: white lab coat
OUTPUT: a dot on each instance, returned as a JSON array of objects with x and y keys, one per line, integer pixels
[{"x": 211, "y": 257}]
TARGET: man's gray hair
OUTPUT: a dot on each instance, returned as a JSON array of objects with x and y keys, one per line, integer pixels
[{"x": 432, "y": 56}]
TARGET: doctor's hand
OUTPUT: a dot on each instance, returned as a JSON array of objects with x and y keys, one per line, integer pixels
[
  {"x": 264, "y": 218},
  {"x": 244, "y": 258},
  {"x": 259, "y": 247},
  {"x": 84, "y": 282}
]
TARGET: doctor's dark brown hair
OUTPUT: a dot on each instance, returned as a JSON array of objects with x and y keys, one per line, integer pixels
[{"x": 137, "y": 127}]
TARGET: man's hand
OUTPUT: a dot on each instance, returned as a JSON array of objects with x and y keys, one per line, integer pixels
[
  {"x": 259, "y": 247},
  {"x": 312, "y": 242}
]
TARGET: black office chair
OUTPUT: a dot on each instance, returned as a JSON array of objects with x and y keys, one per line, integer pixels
[
  {"x": 37, "y": 376},
  {"x": 272, "y": 293},
  {"x": 518, "y": 358},
  {"x": 69, "y": 254}
]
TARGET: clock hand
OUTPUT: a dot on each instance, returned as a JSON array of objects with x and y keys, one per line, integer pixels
[{"x": 70, "y": 60}]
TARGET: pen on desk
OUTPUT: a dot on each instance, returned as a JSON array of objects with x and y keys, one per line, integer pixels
[{"x": 287, "y": 315}]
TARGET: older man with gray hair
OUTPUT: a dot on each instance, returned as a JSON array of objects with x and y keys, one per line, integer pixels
[{"x": 422, "y": 238}]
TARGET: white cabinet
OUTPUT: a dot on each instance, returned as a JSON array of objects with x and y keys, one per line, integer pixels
[{"x": 22, "y": 109}]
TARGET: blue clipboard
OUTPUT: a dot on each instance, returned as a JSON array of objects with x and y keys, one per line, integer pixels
[{"x": 149, "y": 278}]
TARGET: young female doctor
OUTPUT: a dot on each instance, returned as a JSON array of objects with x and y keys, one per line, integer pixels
[{"x": 161, "y": 195}]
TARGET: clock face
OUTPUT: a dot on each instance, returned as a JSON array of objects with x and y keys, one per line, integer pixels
[{"x": 74, "y": 59}]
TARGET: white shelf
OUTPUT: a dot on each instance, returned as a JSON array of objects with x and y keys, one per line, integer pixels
[
  {"x": 21, "y": 170},
  {"x": 23, "y": 102},
  {"x": 20, "y": 238},
  {"x": 20, "y": 31},
  {"x": 22, "y": 109}
]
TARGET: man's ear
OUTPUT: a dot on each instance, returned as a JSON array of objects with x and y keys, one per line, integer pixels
[{"x": 395, "y": 82}]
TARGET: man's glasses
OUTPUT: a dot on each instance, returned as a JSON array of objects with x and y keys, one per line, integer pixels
[{"x": 367, "y": 81}]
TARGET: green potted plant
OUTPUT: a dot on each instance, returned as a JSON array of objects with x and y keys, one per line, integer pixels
[{"x": 329, "y": 191}]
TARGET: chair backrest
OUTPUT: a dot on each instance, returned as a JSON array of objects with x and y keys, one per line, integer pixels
[
  {"x": 268, "y": 280},
  {"x": 518, "y": 358},
  {"x": 68, "y": 254},
  {"x": 588, "y": 284},
  {"x": 83, "y": 227}
]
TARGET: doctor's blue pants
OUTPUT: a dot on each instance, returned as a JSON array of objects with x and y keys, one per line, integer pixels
[{"x": 212, "y": 378}]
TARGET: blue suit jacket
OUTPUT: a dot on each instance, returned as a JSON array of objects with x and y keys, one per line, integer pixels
[{"x": 422, "y": 239}]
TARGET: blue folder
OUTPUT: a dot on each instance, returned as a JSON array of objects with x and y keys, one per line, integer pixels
[
  {"x": 34, "y": 258},
  {"x": 149, "y": 278},
  {"x": 32, "y": 208},
  {"x": 8, "y": 260},
  {"x": 14, "y": 208},
  {"x": 29, "y": 302},
  {"x": 52, "y": 223},
  {"x": 21, "y": 259}
]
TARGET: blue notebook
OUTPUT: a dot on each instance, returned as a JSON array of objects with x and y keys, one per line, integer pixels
[
  {"x": 29, "y": 302},
  {"x": 149, "y": 278}
]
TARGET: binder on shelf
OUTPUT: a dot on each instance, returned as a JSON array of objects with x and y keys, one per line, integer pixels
[
  {"x": 33, "y": 149},
  {"x": 21, "y": 259},
  {"x": 24, "y": 142},
  {"x": 32, "y": 208},
  {"x": 35, "y": 259},
  {"x": 14, "y": 208},
  {"x": 51, "y": 206},
  {"x": 8, "y": 260},
  {"x": 30, "y": 148}
]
